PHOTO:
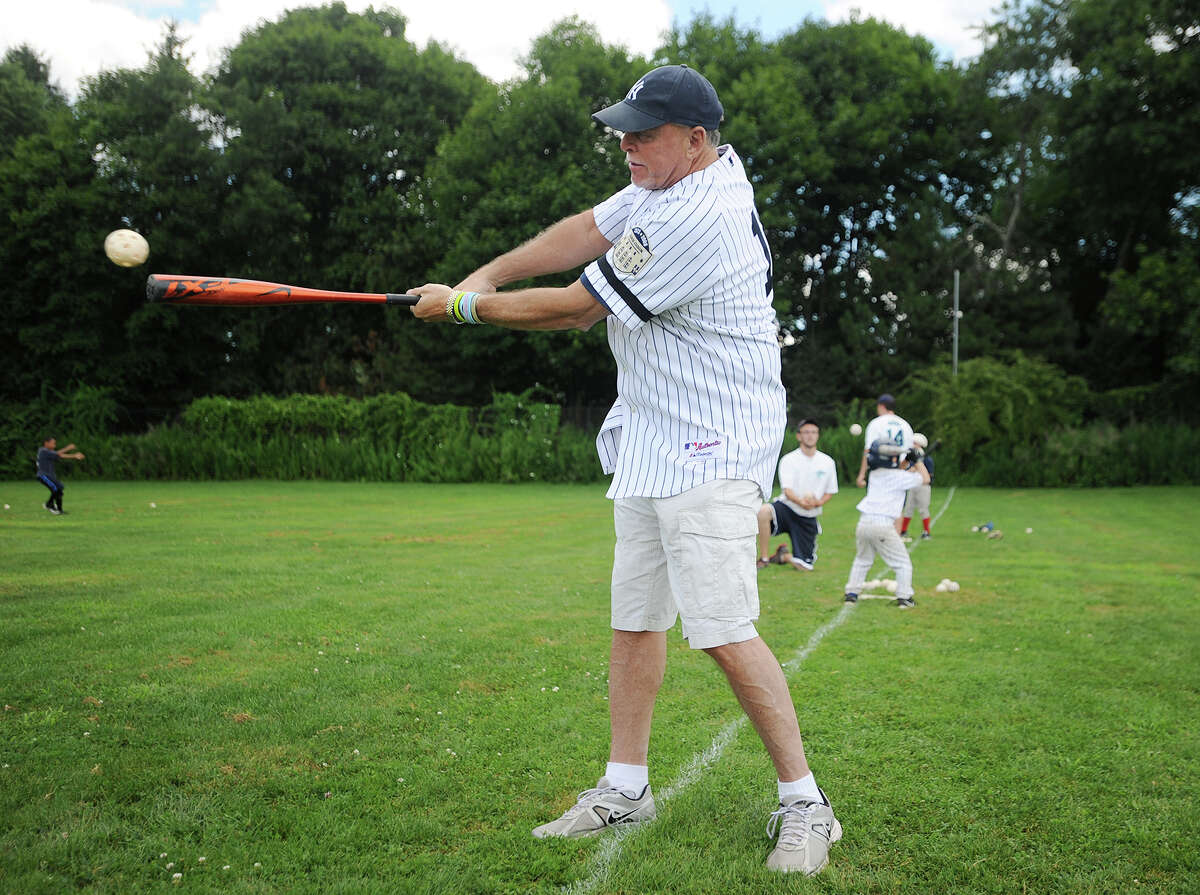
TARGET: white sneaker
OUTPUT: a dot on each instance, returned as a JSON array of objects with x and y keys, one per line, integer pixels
[
  {"x": 806, "y": 830},
  {"x": 597, "y": 810}
]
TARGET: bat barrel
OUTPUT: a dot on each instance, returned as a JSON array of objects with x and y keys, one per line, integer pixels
[{"x": 229, "y": 292}]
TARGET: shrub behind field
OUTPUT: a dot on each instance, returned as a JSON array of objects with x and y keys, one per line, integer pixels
[
  {"x": 390, "y": 438},
  {"x": 999, "y": 428}
]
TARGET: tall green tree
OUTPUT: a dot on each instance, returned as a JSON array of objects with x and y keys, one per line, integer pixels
[
  {"x": 329, "y": 120},
  {"x": 156, "y": 154},
  {"x": 56, "y": 303},
  {"x": 523, "y": 159},
  {"x": 28, "y": 99},
  {"x": 846, "y": 131},
  {"x": 1112, "y": 90}
]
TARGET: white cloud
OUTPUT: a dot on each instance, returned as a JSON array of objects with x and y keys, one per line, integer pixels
[
  {"x": 947, "y": 23},
  {"x": 80, "y": 37},
  {"x": 83, "y": 37}
]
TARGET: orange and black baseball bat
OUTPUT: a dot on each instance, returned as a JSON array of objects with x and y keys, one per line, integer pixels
[{"x": 179, "y": 289}]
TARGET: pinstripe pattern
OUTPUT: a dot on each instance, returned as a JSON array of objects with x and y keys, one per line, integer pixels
[{"x": 699, "y": 379}]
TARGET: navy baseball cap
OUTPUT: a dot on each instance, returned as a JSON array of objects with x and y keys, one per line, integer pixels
[
  {"x": 807, "y": 421},
  {"x": 887, "y": 401},
  {"x": 672, "y": 94}
]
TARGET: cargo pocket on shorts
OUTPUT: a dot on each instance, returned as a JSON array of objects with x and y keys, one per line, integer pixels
[{"x": 716, "y": 562}]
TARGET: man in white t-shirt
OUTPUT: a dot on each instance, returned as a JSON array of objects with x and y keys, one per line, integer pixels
[
  {"x": 678, "y": 267},
  {"x": 807, "y": 480}
]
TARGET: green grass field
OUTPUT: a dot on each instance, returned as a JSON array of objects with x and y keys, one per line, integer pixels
[{"x": 335, "y": 688}]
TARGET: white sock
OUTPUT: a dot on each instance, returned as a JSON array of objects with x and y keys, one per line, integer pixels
[
  {"x": 804, "y": 788},
  {"x": 631, "y": 779}
]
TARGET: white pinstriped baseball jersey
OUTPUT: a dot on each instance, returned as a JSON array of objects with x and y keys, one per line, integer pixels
[{"x": 688, "y": 284}]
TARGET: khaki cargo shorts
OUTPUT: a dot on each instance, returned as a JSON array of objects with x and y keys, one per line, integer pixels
[{"x": 690, "y": 556}]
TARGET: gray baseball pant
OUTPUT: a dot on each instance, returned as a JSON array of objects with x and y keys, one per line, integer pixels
[{"x": 876, "y": 536}]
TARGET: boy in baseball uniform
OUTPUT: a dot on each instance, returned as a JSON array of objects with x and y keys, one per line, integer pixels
[
  {"x": 886, "y": 430},
  {"x": 919, "y": 498},
  {"x": 876, "y": 533}
]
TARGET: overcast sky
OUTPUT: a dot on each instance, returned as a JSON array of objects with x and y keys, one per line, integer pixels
[{"x": 82, "y": 37}]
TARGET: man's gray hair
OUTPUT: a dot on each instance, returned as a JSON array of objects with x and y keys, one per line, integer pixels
[{"x": 713, "y": 138}]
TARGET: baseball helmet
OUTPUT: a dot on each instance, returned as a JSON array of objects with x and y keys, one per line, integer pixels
[{"x": 884, "y": 455}]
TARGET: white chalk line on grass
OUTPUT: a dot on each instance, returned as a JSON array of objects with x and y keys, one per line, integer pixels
[
  {"x": 945, "y": 506},
  {"x": 610, "y": 848}
]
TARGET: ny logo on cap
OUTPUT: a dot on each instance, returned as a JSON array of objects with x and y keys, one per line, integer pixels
[{"x": 635, "y": 89}]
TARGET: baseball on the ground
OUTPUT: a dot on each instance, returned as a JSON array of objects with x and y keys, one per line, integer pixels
[
  {"x": 126, "y": 248},
  {"x": 855, "y": 429}
]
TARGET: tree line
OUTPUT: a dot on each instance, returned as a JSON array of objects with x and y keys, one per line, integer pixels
[{"x": 1058, "y": 172}]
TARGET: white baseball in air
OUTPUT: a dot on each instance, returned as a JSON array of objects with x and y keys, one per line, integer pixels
[
  {"x": 126, "y": 248},
  {"x": 855, "y": 429}
]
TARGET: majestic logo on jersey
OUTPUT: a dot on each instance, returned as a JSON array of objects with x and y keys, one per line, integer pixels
[
  {"x": 631, "y": 252},
  {"x": 700, "y": 451},
  {"x": 635, "y": 90}
]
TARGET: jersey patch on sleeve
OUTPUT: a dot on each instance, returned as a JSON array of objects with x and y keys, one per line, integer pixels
[{"x": 631, "y": 252}]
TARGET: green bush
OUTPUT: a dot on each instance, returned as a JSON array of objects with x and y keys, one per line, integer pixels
[
  {"x": 80, "y": 416},
  {"x": 1002, "y": 423},
  {"x": 382, "y": 438},
  {"x": 992, "y": 403}
]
